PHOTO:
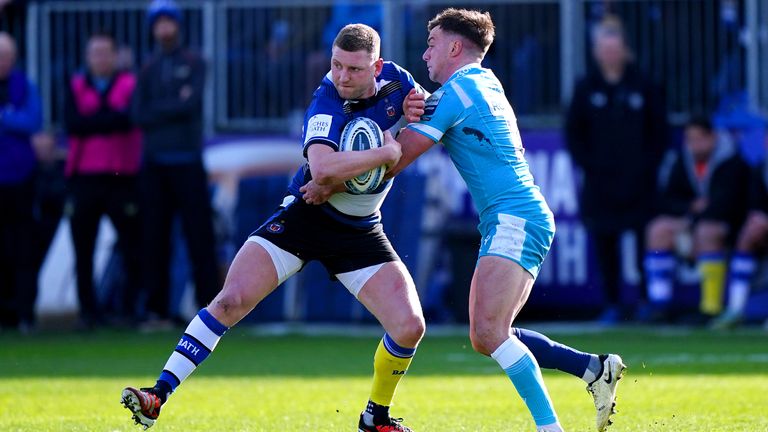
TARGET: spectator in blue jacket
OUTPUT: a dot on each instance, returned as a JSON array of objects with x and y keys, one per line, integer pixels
[{"x": 20, "y": 118}]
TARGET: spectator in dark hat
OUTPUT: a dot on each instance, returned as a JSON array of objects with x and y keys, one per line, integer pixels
[{"x": 169, "y": 108}]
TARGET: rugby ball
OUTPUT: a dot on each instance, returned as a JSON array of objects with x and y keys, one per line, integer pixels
[{"x": 362, "y": 134}]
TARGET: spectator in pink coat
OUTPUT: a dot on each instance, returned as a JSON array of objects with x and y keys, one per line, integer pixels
[{"x": 102, "y": 168}]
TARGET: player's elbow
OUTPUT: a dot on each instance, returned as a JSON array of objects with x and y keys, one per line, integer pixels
[{"x": 395, "y": 170}]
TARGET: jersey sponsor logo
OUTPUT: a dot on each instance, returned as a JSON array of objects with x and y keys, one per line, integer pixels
[
  {"x": 319, "y": 125},
  {"x": 431, "y": 104},
  {"x": 498, "y": 105},
  {"x": 275, "y": 228},
  {"x": 398, "y": 372}
]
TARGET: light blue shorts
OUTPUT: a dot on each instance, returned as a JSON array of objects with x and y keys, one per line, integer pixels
[{"x": 522, "y": 241}]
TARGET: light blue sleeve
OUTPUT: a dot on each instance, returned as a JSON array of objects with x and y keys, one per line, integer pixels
[{"x": 442, "y": 110}]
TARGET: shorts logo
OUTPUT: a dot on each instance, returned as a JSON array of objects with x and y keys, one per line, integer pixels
[{"x": 275, "y": 228}]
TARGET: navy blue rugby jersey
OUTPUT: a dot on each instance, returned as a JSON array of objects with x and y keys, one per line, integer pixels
[{"x": 324, "y": 121}]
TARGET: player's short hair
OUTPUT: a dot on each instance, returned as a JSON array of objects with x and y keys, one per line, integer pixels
[
  {"x": 702, "y": 122},
  {"x": 475, "y": 26},
  {"x": 358, "y": 37}
]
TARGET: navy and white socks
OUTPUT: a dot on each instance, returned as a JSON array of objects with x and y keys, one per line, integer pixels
[{"x": 197, "y": 342}]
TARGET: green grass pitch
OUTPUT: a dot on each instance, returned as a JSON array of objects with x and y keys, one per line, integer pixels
[{"x": 678, "y": 380}]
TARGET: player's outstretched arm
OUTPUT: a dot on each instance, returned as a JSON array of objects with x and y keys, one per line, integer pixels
[{"x": 413, "y": 145}]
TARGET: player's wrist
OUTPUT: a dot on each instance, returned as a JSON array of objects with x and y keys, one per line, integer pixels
[{"x": 392, "y": 155}]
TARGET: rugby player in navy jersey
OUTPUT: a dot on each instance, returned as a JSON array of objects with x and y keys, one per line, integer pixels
[{"x": 344, "y": 234}]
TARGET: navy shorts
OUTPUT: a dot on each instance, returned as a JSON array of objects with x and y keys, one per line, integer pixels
[{"x": 310, "y": 233}]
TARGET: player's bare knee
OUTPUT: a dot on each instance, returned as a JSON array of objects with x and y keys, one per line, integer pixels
[
  {"x": 229, "y": 306},
  {"x": 479, "y": 345},
  {"x": 484, "y": 338},
  {"x": 409, "y": 331}
]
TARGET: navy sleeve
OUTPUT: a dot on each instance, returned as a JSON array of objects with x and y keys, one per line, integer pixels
[{"x": 323, "y": 122}]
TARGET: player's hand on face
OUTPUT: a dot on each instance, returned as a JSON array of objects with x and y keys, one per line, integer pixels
[
  {"x": 413, "y": 106},
  {"x": 315, "y": 193},
  {"x": 394, "y": 146}
]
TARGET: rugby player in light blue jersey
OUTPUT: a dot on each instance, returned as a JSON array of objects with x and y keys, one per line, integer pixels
[
  {"x": 344, "y": 234},
  {"x": 471, "y": 116}
]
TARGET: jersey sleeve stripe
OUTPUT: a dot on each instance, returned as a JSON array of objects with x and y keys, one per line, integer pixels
[
  {"x": 427, "y": 130},
  {"x": 329, "y": 143},
  {"x": 463, "y": 96}
]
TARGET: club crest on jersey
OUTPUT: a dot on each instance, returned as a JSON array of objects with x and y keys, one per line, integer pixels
[
  {"x": 391, "y": 111},
  {"x": 275, "y": 228}
]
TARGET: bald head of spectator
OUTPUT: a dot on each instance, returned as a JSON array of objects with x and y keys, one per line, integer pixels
[{"x": 7, "y": 55}]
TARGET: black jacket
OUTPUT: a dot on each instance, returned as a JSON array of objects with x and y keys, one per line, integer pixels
[
  {"x": 725, "y": 185},
  {"x": 172, "y": 125},
  {"x": 617, "y": 135}
]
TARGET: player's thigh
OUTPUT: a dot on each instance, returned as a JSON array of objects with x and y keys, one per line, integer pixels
[
  {"x": 390, "y": 295},
  {"x": 500, "y": 287},
  {"x": 256, "y": 271}
]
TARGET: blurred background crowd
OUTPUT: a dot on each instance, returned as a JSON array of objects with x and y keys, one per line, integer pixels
[{"x": 141, "y": 142}]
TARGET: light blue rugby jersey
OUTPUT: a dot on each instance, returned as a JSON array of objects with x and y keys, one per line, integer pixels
[{"x": 471, "y": 116}]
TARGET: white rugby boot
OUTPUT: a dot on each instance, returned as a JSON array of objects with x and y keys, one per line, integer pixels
[{"x": 603, "y": 389}]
